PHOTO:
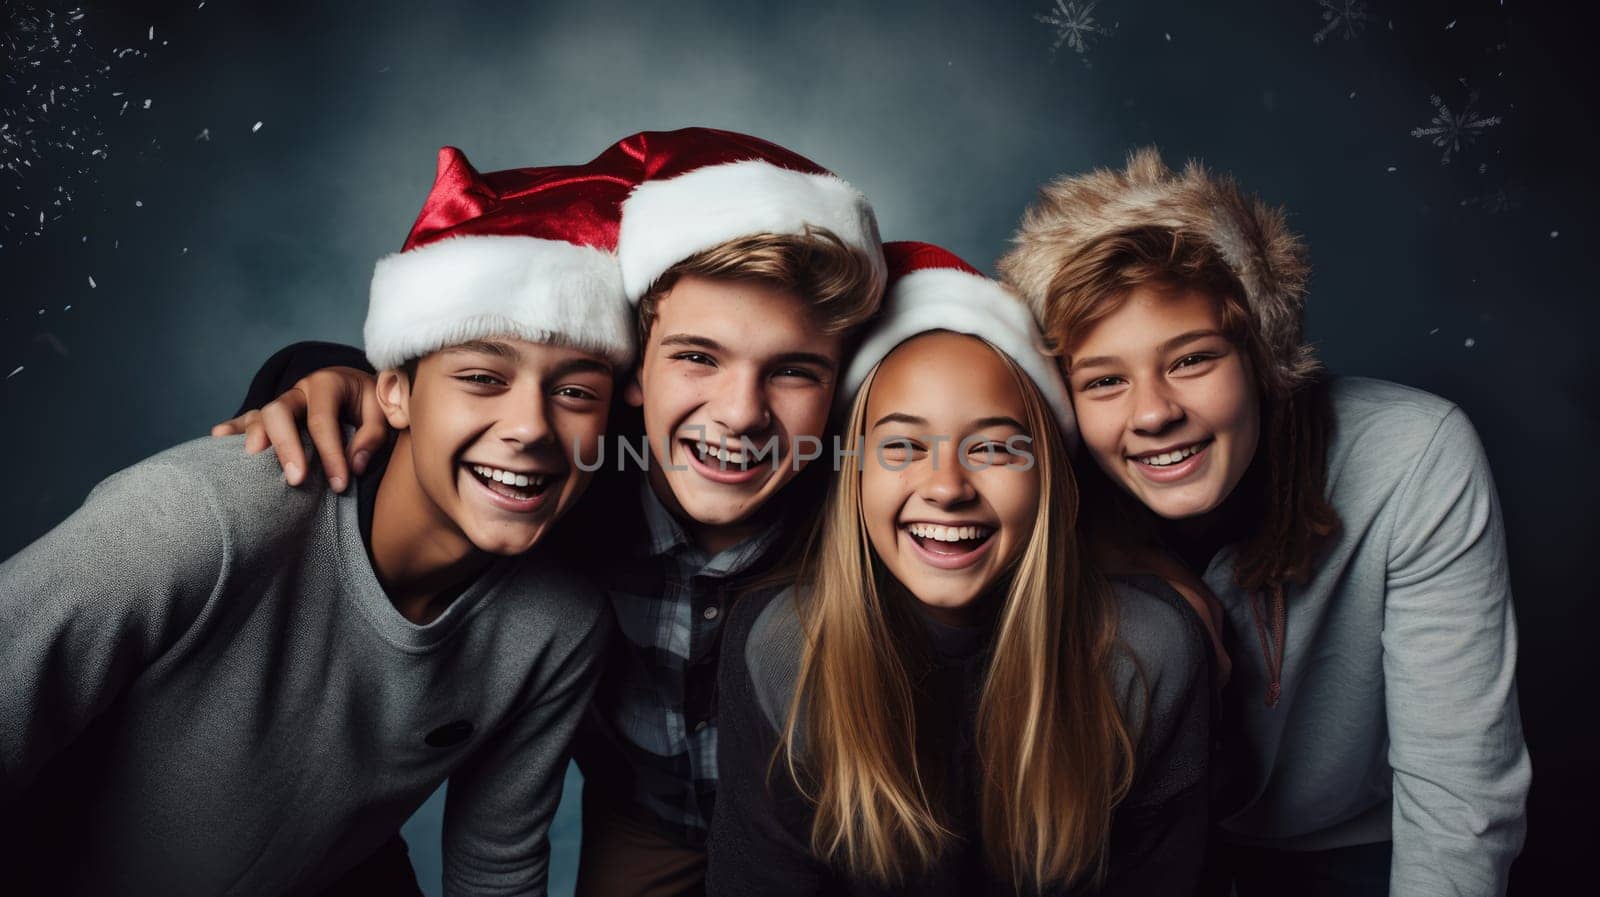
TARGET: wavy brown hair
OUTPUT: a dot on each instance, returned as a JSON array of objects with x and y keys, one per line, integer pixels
[{"x": 1055, "y": 751}]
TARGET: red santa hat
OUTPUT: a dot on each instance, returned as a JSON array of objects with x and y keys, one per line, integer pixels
[
  {"x": 527, "y": 252},
  {"x": 933, "y": 289},
  {"x": 701, "y": 187}
]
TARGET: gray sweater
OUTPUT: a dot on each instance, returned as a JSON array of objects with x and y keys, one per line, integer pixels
[
  {"x": 204, "y": 690},
  {"x": 1398, "y": 716}
]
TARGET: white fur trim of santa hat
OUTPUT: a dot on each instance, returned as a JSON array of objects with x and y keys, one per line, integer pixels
[
  {"x": 464, "y": 288},
  {"x": 669, "y": 220},
  {"x": 932, "y": 299}
]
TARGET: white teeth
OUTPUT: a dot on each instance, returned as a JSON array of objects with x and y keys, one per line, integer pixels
[
  {"x": 1166, "y": 459},
  {"x": 721, "y": 454},
  {"x": 509, "y": 478},
  {"x": 948, "y": 533}
]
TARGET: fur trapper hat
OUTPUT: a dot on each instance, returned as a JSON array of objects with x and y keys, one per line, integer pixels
[{"x": 1252, "y": 238}]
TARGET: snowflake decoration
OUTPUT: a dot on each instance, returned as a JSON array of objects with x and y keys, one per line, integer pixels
[
  {"x": 1349, "y": 15},
  {"x": 49, "y": 135},
  {"x": 1451, "y": 131},
  {"x": 1501, "y": 200},
  {"x": 1075, "y": 26}
]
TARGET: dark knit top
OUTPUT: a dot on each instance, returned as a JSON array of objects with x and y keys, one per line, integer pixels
[{"x": 760, "y": 833}]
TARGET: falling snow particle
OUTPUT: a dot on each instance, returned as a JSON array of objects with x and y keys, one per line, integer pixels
[
  {"x": 147, "y": 104},
  {"x": 1451, "y": 27},
  {"x": 41, "y": 312},
  {"x": 138, "y": 203},
  {"x": 1168, "y": 36},
  {"x": 66, "y": 308},
  {"x": 15, "y": 372},
  {"x": 205, "y": 135},
  {"x": 256, "y": 127},
  {"x": 1075, "y": 26},
  {"x": 92, "y": 284},
  {"x": 1391, "y": 169},
  {"x": 1433, "y": 331},
  {"x": 1469, "y": 342},
  {"x": 1348, "y": 16},
  {"x": 1352, "y": 94},
  {"x": 1451, "y": 131},
  {"x": 1554, "y": 234},
  {"x": 152, "y": 32}
]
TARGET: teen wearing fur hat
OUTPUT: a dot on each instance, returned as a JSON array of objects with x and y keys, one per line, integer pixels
[
  {"x": 1348, "y": 526},
  {"x": 952, "y": 701}
]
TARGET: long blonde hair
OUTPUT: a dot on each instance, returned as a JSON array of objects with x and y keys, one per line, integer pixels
[{"x": 1055, "y": 751}]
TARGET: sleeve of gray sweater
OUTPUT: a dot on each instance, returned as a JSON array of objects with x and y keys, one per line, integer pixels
[
  {"x": 499, "y": 804},
  {"x": 1461, "y": 769},
  {"x": 94, "y": 602}
]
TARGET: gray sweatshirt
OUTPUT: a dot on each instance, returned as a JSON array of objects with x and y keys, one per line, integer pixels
[
  {"x": 1398, "y": 716},
  {"x": 204, "y": 690}
]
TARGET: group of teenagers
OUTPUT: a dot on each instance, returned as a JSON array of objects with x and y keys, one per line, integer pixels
[{"x": 1097, "y": 584}]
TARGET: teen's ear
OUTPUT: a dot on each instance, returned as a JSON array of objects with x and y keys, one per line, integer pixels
[
  {"x": 633, "y": 392},
  {"x": 394, "y": 397}
]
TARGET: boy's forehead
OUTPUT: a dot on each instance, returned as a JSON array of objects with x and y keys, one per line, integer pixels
[
  {"x": 521, "y": 351},
  {"x": 740, "y": 316}
]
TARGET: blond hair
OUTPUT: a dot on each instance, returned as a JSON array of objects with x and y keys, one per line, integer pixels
[
  {"x": 838, "y": 282},
  {"x": 1055, "y": 751}
]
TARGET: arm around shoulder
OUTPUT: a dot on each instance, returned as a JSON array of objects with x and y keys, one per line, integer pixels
[{"x": 1461, "y": 769}]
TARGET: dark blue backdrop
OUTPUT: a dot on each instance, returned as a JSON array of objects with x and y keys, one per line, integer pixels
[{"x": 181, "y": 243}]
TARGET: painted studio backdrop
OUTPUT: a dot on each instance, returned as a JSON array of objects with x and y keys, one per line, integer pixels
[{"x": 188, "y": 186}]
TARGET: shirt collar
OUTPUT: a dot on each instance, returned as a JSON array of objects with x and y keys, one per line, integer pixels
[{"x": 668, "y": 538}]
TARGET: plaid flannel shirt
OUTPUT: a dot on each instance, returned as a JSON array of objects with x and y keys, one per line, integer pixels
[{"x": 652, "y": 736}]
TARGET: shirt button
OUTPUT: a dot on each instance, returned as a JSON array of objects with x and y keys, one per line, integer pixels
[{"x": 711, "y": 612}]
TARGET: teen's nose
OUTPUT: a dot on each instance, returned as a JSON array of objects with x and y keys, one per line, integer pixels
[
  {"x": 526, "y": 421},
  {"x": 740, "y": 403},
  {"x": 1154, "y": 408},
  {"x": 945, "y": 482}
]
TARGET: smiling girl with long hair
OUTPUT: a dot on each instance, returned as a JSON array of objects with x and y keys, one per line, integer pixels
[{"x": 952, "y": 700}]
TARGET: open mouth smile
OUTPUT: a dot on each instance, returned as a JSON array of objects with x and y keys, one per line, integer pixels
[
  {"x": 947, "y": 546},
  {"x": 512, "y": 490},
  {"x": 728, "y": 466}
]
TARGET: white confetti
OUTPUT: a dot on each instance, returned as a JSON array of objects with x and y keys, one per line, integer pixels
[
  {"x": 1554, "y": 234},
  {"x": 1392, "y": 169},
  {"x": 92, "y": 284},
  {"x": 1469, "y": 342},
  {"x": 1433, "y": 331},
  {"x": 138, "y": 203},
  {"x": 205, "y": 134},
  {"x": 66, "y": 308},
  {"x": 1451, "y": 26},
  {"x": 15, "y": 372},
  {"x": 255, "y": 127},
  {"x": 1168, "y": 36},
  {"x": 152, "y": 32},
  {"x": 147, "y": 104}
]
